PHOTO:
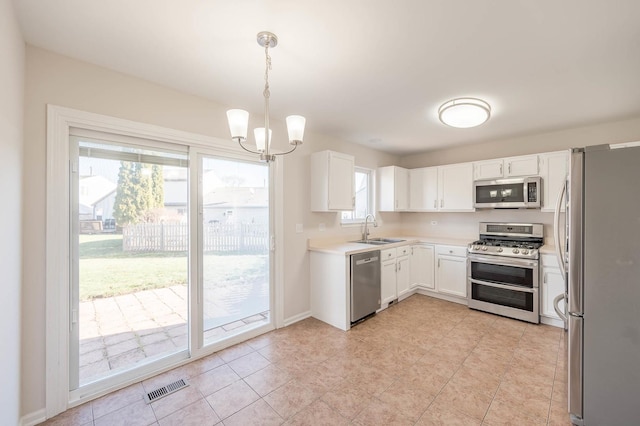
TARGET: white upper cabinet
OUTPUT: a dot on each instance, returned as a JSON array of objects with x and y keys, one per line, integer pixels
[
  {"x": 332, "y": 181},
  {"x": 455, "y": 188},
  {"x": 554, "y": 167},
  {"x": 441, "y": 189},
  {"x": 523, "y": 165},
  {"x": 393, "y": 189},
  {"x": 423, "y": 189},
  {"x": 489, "y": 169}
]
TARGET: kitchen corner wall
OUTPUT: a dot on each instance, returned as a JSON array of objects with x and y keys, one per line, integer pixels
[
  {"x": 465, "y": 225},
  {"x": 11, "y": 140},
  {"x": 59, "y": 80}
]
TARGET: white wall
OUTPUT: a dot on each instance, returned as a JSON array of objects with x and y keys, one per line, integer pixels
[
  {"x": 11, "y": 123},
  {"x": 465, "y": 225},
  {"x": 55, "y": 79}
]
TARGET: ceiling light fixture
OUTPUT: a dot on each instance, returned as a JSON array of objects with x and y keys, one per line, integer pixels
[
  {"x": 464, "y": 112},
  {"x": 239, "y": 119}
]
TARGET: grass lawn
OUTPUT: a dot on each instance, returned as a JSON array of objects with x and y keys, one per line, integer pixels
[{"x": 106, "y": 270}]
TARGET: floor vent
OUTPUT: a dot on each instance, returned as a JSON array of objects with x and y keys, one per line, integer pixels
[{"x": 155, "y": 395}]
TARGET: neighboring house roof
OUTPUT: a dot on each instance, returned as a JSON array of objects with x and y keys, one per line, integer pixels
[{"x": 93, "y": 189}]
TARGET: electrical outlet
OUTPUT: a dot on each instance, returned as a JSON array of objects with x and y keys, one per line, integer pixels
[
  {"x": 434, "y": 222},
  {"x": 321, "y": 227},
  {"x": 299, "y": 228}
]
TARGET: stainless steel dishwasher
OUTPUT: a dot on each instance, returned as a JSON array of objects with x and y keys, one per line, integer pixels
[{"x": 365, "y": 284}]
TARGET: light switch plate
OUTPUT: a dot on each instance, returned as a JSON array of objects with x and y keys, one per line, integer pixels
[
  {"x": 321, "y": 227},
  {"x": 299, "y": 228}
]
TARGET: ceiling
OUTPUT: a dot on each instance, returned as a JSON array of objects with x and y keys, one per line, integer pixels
[{"x": 372, "y": 72}]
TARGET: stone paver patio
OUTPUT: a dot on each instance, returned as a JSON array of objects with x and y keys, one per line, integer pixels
[{"x": 116, "y": 332}]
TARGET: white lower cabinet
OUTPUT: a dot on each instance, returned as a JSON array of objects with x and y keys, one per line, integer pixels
[
  {"x": 451, "y": 270},
  {"x": 388, "y": 291},
  {"x": 395, "y": 273},
  {"x": 422, "y": 271},
  {"x": 551, "y": 285},
  {"x": 403, "y": 264}
]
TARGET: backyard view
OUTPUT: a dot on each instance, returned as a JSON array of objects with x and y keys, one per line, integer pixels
[{"x": 133, "y": 255}]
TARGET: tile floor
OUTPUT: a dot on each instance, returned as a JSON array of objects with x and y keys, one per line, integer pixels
[
  {"x": 422, "y": 361},
  {"x": 116, "y": 332}
]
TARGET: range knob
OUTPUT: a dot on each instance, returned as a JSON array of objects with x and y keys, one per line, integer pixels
[
  {"x": 516, "y": 251},
  {"x": 525, "y": 251},
  {"x": 499, "y": 249},
  {"x": 484, "y": 248}
]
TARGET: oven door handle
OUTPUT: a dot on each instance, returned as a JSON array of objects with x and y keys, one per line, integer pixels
[
  {"x": 492, "y": 260},
  {"x": 503, "y": 286}
]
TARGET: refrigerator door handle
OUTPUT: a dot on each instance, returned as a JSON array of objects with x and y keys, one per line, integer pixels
[
  {"x": 556, "y": 230},
  {"x": 557, "y": 300}
]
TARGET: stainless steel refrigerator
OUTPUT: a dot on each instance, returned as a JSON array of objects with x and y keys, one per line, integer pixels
[{"x": 603, "y": 285}]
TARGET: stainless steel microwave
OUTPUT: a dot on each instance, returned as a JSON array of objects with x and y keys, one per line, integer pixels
[{"x": 517, "y": 193}]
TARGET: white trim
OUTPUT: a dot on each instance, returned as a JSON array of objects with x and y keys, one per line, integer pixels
[
  {"x": 555, "y": 322},
  {"x": 59, "y": 122},
  {"x": 278, "y": 225},
  {"x": 299, "y": 317},
  {"x": 33, "y": 418}
]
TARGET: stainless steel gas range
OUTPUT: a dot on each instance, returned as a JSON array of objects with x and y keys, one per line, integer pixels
[{"x": 503, "y": 270}]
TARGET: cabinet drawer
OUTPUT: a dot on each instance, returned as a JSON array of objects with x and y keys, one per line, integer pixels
[
  {"x": 388, "y": 254},
  {"x": 452, "y": 250},
  {"x": 403, "y": 251}
]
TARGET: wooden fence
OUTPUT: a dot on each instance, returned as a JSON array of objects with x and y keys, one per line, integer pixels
[{"x": 217, "y": 238}]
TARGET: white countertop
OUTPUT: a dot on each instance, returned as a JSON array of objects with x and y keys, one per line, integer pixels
[{"x": 347, "y": 248}]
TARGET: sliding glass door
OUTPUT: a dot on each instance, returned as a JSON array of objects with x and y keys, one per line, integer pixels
[
  {"x": 234, "y": 246},
  {"x": 130, "y": 257},
  {"x": 134, "y": 303}
]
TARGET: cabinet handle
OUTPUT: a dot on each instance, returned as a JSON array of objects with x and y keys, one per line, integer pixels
[
  {"x": 544, "y": 278},
  {"x": 399, "y": 266},
  {"x": 438, "y": 263},
  {"x": 500, "y": 168},
  {"x": 353, "y": 201},
  {"x": 509, "y": 168},
  {"x": 442, "y": 203},
  {"x": 435, "y": 204}
]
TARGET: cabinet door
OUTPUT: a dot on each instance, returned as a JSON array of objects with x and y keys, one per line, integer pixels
[
  {"x": 422, "y": 259},
  {"x": 455, "y": 187},
  {"x": 401, "y": 188},
  {"x": 341, "y": 182},
  {"x": 490, "y": 169},
  {"x": 524, "y": 165},
  {"x": 430, "y": 188},
  {"x": 451, "y": 275},
  {"x": 552, "y": 285},
  {"x": 388, "y": 281},
  {"x": 417, "y": 198},
  {"x": 554, "y": 169},
  {"x": 403, "y": 275},
  {"x": 393, "y": 189}
]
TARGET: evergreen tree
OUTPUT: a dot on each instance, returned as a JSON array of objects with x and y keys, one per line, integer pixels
[
  {"x": 125, "y": 209},
  {"x": 157, "y": 186},
  {"x": 140, "y": 190}
]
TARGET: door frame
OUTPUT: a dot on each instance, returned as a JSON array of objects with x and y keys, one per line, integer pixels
[{"x": 58, "y": 250}]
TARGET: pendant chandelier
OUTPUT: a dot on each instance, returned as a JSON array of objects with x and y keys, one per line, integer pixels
[{"x": 239, "y": 119}]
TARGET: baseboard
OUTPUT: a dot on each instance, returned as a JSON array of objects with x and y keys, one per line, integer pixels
[
  {"x": 296, "y": 318},
  {"x": 34, "y": 418},
  {"x": 425, "y": 292},
  {"x": 552, "y": 321}
]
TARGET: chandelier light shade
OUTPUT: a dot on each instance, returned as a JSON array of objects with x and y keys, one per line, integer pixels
[
  {"x": 259, "y": 134},
  {"x": 239, "y": 119},
  {"x": 238, "y": 123},
  {"x": 295, "y": 128},
  {"x": 464, "y": 112}
]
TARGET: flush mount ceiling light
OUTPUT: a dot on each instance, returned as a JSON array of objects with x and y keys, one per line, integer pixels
[
  {"x": 464, "y": 112},
  {"x": 239, "y": 119}
]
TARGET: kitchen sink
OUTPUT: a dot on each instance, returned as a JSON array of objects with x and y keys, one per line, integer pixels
[{"x": 379, "y": 241}]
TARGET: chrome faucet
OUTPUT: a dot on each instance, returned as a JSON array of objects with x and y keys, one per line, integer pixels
[{"x": 365, "y": 233}]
